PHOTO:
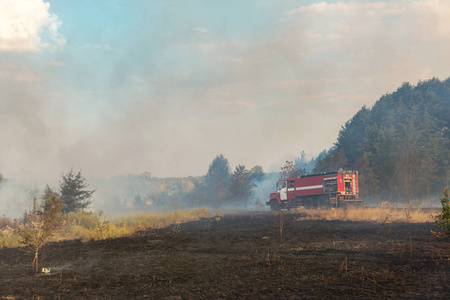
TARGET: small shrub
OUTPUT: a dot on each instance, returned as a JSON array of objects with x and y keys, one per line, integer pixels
[
  {"x": 41, "y": 223},
  {"x": 443, "y": 219}
]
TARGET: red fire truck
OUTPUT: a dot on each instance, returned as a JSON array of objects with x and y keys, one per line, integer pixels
[{"x": 313, "y": 190}]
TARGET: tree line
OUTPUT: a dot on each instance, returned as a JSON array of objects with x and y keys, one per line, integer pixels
[
  {"x": 221, "y": 187},
  {"x": 400, "y": 146}
]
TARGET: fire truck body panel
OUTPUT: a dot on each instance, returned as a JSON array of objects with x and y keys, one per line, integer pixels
[
  {"x": 332, "y": 188},
  {"x": 306, "y": 186}
]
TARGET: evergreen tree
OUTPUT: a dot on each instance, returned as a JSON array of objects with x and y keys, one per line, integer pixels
[
  {"x": 351, "y": 136},
  {"x": 303, "y": 165},
  {"x": 401, "y": 145},
  {"x": 217, "y": 181},
  {"x": 74, "y": 194},
  {"x": 334, "y": 161},
  {"x": 242, "y": 186}
]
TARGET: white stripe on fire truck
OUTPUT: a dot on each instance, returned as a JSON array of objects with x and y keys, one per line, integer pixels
[{"x": 309, "y": 187}]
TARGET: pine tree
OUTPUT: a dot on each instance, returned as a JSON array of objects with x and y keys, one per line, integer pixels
[
  {"x": 217, "y": 181},
  {"x": 242, "y": 186},
  {"x": 74, "y": 194},
  {"x": 334, "y": 161}
]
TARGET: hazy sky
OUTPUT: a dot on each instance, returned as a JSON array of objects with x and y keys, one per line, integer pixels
[{"x": 115, "y": 87}]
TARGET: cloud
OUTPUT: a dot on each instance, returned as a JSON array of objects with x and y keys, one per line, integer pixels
[
  {"x": 336, "y": 48},
  {"x": 358, "y": 30},
  {"x": 24, "y": 22}
]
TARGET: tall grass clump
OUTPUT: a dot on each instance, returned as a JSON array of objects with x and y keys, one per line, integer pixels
[
  {"x": 8, "y": 232},
  {"x": 9, "y": 237},
  {"x": 85, "y": 226}
]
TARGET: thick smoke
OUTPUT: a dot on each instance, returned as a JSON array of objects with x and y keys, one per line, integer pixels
[
  {"x": 265, "y": 187},
  {"x": 115, "y": 107},
  {"x": 17, "y": 197},
  {"x": 175, "y": 93}
]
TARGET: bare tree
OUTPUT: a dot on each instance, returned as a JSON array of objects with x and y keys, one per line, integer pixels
[
  {"x": 289, "y": 170},
  {"x": 41, "y": 223}
]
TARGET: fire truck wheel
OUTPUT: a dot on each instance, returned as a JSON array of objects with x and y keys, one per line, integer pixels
[
  {"x": 308, "y": 203},
  {"x": 274, "y": 205},
  {"x": 321, "y": 201}
]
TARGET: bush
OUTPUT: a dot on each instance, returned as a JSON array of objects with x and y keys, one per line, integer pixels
[
  {"x": 85, "y": 226},
  {"x": 443, "y": 219},
  {"x": 41, "y": 223}
]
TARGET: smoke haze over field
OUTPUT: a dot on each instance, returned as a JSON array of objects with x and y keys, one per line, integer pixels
[{"x": 117, "y": 87}]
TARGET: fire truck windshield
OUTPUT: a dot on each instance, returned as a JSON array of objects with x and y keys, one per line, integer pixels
[{"x": 281, "y": 185}]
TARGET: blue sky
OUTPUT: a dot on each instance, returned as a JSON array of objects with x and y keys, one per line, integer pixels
[{"x": 114, "y": 87}]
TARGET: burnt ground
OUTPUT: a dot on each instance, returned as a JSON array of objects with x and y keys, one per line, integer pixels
[{"x": 241, "y": 256}]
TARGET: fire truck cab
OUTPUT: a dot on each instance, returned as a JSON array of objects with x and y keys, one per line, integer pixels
[{"x": 313, "y": 190}]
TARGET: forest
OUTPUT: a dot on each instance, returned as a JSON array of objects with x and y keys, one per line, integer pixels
[{"x": 400, "y": 146}]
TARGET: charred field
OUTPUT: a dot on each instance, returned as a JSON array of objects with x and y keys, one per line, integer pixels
[{"x": 259, "y": 255}]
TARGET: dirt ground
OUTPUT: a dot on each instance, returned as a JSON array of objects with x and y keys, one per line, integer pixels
[{"x": 241, "y": 256}]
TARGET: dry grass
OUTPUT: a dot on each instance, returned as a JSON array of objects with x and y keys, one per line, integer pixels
[
  {"x": 95, "y": 226},
  {"x": 143, "y": 220},
  {"x": 88, "y": 226},
  {"x": 382, "y": 215}
]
